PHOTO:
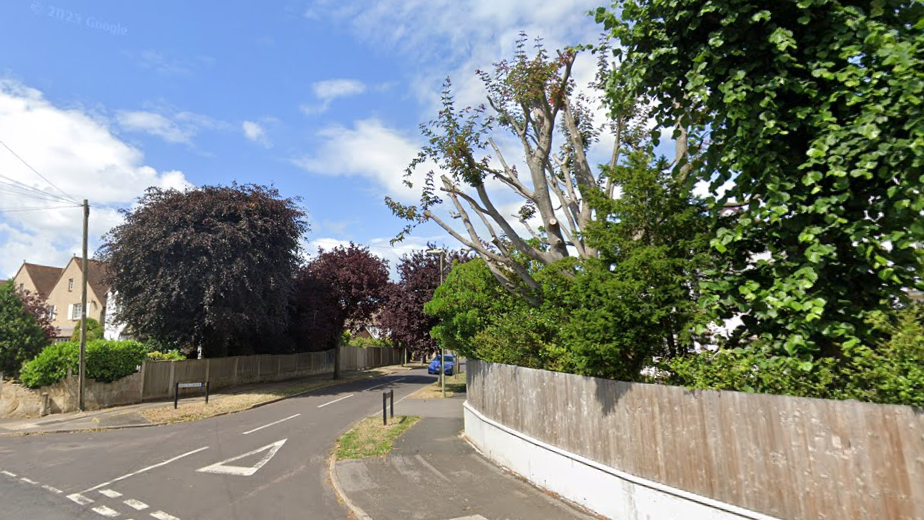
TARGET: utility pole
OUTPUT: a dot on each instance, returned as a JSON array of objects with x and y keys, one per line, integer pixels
[{"x": 82, "y": 376}]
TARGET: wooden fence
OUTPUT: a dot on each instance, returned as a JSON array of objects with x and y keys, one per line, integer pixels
[
  {"x": 788, "y": 457},
  {"x": 160, "y": 376}
]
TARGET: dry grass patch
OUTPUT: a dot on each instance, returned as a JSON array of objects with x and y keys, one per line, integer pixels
[
  {"x": 455, "y": 384},
  {"x": 370, "y": 438},
  {"x": 194, "y": 408}
]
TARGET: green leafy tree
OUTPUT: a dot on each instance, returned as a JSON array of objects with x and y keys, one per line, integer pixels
[
  {"x": 94, "y": 331},
  {"x": 209, "y": 267},
  {"x": 812, "y": 108},
  {"x": 24, "y": 328}
]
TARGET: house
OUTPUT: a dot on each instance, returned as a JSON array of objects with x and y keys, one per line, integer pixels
[{"x": 61, "y": 290}]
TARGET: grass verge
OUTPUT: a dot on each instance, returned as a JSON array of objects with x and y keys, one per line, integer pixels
[
  {"x": 195, "y": 409},
  {"x": 370, "y": 438},
  {"x": 455, "y": 384}
]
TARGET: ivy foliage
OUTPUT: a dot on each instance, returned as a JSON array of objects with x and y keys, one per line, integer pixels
[{"x": 813, "y": 110}]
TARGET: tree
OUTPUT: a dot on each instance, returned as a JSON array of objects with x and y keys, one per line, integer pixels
[
  {"x": 207, "y": 267},
  {"x": 812, "y": 109},
  {"x": 534, "y": 100},
  {"x": 94, "y": 331},
  {"x": 341, "y": 286},
  {"x": 403, "y": 314},
  {"x": 24, "y": 328}
]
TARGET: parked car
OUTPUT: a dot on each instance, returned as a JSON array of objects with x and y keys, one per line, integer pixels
[{"x": 434, "y": 367}]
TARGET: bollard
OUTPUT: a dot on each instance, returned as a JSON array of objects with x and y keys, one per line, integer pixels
[
  {"x": 384, "y": 406},
  {"x": 392, "y": 395}
]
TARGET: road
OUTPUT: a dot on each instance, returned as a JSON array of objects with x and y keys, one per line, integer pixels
[{"x": 265, "y": 463}]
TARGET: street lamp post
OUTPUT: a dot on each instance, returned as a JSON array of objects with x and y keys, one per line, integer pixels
[{"x": 442, "y": 254}]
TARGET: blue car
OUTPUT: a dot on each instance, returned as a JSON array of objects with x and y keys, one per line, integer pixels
[{"x": 434, "y": 367}]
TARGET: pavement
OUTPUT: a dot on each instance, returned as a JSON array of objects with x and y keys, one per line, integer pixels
[
  {"x": 129, "y": 416},
  {"x": 434, "y": 474}
]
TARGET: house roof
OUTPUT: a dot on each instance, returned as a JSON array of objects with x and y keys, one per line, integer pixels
[
  {"x": 43, "y": 276},
  {"x": 96, "y": 274}
]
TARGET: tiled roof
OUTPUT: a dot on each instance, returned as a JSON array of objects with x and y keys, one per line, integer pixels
[{"x": 44, "y": 277}]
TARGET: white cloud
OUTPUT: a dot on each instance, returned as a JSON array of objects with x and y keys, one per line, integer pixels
[
  {"x": 379, "y": 247},
  {"x": 328, "y": 90},
  {"x": 368, "y": 149},
  {"x": 154, "y": 124},
  {"x": 80, "y": 155},
  {"x": 256, "y": 133}
]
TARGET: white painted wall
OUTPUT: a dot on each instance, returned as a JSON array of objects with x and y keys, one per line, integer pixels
[
  {"x": 601, "y": 489},
  {"x": 113, "y": 329}
]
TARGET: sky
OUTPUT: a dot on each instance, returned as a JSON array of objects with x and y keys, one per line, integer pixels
[{"x": 102, "y": 99}]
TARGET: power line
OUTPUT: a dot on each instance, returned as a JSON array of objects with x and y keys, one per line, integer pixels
[
  {"x": 12, "y": 210},
  {"x": 69, "y": 198},
  {"x": 23, "y": 186},
  {"x": 15, "y": 190}
]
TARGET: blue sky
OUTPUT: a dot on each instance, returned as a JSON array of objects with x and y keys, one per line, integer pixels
[{"x": 322, "y": 99}]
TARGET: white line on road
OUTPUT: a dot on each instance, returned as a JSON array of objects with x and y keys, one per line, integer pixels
[
  {"x": 336, "y": 400},
  {"x": 105, "y": 511},
  {"x": 110, "y": 493},
  {"x": 272, "y": 423},
  {"x": 80, "y": 499},
  {"x": 7, "y": 473},
  {"x": 28, "y": 481},
  {"x": 244, "y": 471},
  {"x": 431, "y": 468},
  {"x": 137, "y": 505},
  {"x": 384, "y": 384},
  {"x": 164, "y": 463},
  {"x": 53, "y": 489},
  {"x": 160, "y": 515}
]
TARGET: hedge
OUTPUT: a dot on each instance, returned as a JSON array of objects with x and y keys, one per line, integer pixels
[{"x": 107, "y": 361}]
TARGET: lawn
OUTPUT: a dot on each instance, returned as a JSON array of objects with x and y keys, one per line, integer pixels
[{"x": 370, "y": 438}]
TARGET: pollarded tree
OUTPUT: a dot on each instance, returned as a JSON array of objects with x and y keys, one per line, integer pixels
[
  {"x": 534, "y": 99},
  {"x": 403, "y": 314},
  {"x": 341, "y": 286},
  {"x": 813, "y": 110},
  {"x": 206, "y": 267}
]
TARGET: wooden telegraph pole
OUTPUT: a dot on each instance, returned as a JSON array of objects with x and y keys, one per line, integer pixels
[{"x": 81, "y": 378}]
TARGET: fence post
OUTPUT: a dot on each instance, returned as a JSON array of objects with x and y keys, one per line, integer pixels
[
  {"x": 141, "y": 392},
  {"x": 234, "y": 381},
  {"x": 172, "y": 372},
  {"x": 208, "y": 366}
]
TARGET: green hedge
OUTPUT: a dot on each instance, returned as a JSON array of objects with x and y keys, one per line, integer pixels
[{"x": 107, "y": 361}]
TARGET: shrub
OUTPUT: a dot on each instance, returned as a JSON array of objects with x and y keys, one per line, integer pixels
[
  {"x": 94, "y": 331},
  {"x": 170, "y": 355},
  {"x": 107, "y": 361},
  {"x": 22, "y": 333}
]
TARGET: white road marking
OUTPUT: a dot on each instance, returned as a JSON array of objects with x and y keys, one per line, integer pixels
[
  {"x": 110, "y": 493},
  {"x": 28, "y": 481},
  {"x": 53, "y": 489},
  {"x": 336, "y": 400},
  {"x": 160, "y": 515},
  {"x": 7, "y": 473},
  {"x": 80, "y": 499},
  {"x": 387, "y": 383},
  {"x": 137, "y": 505},
  {"x": 272, "y": 423},
  {"x": 243, "y": 471},
  {"x": 473, "y": 517},
  {"x": 123, "y": 477},
  {"x": 105, "y": 511}
]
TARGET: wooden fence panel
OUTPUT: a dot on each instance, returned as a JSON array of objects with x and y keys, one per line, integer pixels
[{"x": 787, "y": 457}]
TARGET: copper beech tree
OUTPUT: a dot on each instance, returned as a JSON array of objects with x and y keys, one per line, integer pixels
[{"x": 535, "y": 100}]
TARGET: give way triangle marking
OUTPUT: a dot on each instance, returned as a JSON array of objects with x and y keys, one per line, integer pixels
[{"x": 244, "y": 471}]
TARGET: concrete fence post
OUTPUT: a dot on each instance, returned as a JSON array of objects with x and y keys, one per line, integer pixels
[
  {"x": 236, "y": 359},
  {"x": 172, "y": 372},
  {"x": 208, "y": 367},
  {"x": 141, "y": 390}
]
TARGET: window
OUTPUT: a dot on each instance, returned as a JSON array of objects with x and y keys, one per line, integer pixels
[
  {"x": 22, "y": 287},
  {"x": 70, "y": 284},
  {"x": 76, "y": 311},
  {"x": 52, "y": 312}
]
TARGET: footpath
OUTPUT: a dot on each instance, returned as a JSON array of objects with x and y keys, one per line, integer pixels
[
  {"x": 228, "y": 400},
  {"x": 434, "y": 474}
]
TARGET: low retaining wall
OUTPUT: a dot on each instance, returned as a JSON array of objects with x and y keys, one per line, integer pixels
[
  {"x": 634, "y": 451},
  {"x": 17, "y": 401}
]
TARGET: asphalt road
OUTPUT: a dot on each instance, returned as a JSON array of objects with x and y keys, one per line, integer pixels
[{"x": 266, "y": 463}]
